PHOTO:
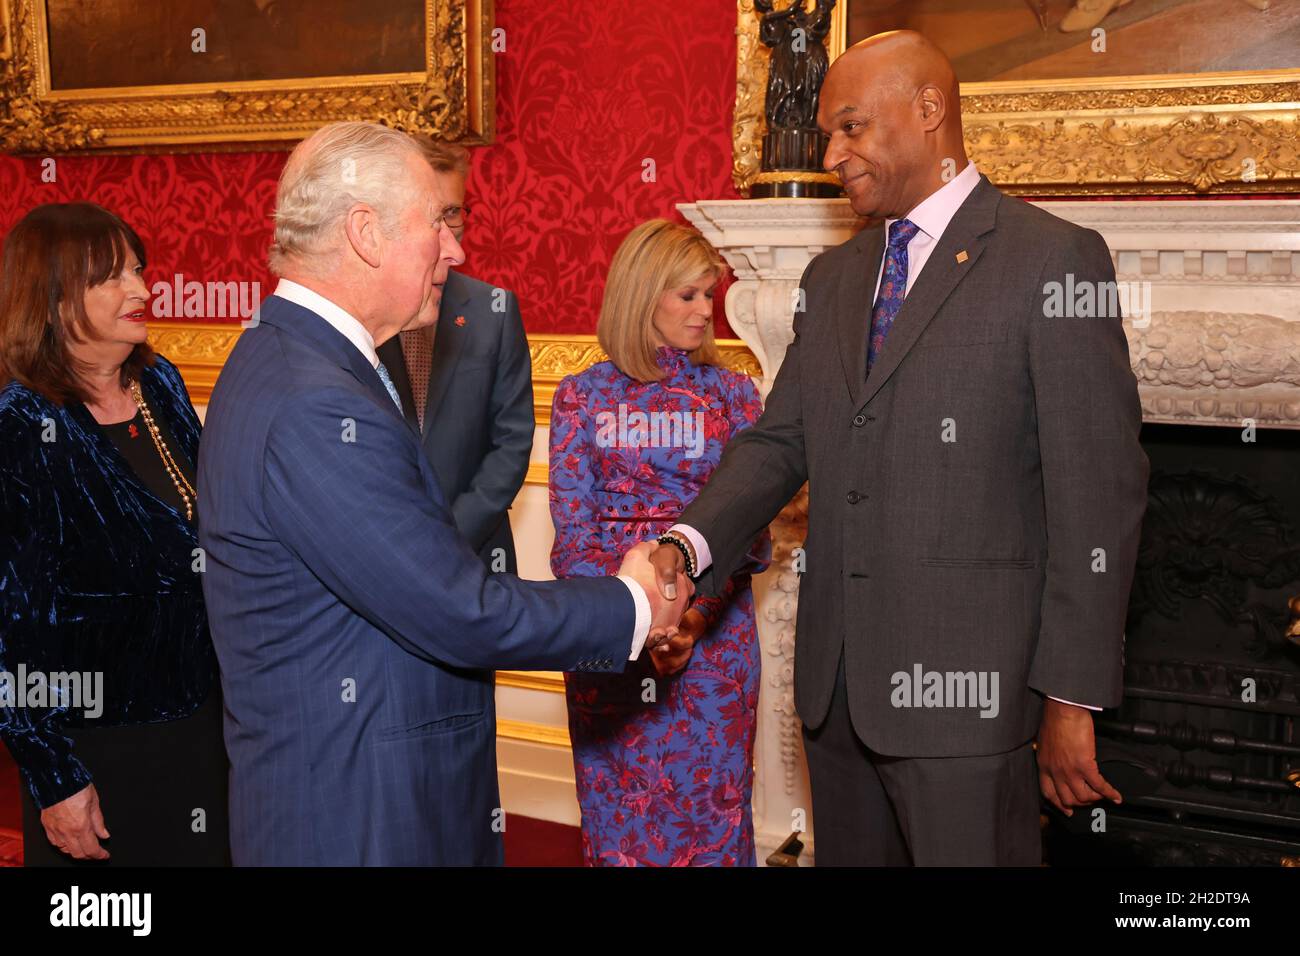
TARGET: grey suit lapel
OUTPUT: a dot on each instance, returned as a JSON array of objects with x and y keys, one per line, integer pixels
[
  {"x": 448, "y": 338},
  {"x": 854, "y": 306},
  {"x": 942, "y": 272}
]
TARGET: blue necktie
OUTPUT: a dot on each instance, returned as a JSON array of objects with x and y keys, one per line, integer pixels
[
  {"x": 388, "y": 384},
  {"x": 893, "y": 286}
]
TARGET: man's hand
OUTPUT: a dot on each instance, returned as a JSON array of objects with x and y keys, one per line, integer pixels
[
  {"x": 664, "y": 612},
  {"x": 76, "y": 825},
  {"x": 1067, "y": 759},
  {"x": 675, "y": 653},
  {"x": 668, "y": 564}
]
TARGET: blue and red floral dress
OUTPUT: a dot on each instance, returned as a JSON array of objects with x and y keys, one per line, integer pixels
[{"x": 664, "y": 766}]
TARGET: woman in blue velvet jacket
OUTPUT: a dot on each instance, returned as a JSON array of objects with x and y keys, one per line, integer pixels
[{"x": 109, "y": 699}]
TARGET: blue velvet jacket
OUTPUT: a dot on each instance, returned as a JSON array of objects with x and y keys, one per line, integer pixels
[{"x": 96, "y": 575}]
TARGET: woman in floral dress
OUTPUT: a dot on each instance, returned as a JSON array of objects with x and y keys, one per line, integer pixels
[{"x": 664, "y": 761}]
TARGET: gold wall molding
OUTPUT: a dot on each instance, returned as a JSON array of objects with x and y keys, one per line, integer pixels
[
  {"x": 556, "y": 356},
  {"x": 533, "y": 733},
  {"x": 199, "y": 350},
  {"x": 538, "y": 474},
  {"x": 453, "y": 97},
  {"x": 1194, "y": 133},
  {"x": 552, "y": 682}
]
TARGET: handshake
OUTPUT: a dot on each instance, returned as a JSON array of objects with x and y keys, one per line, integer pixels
[{"x": 674, "y": 629}]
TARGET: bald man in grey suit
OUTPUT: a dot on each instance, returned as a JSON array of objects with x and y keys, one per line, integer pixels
[{"x": 958, "y": 397}]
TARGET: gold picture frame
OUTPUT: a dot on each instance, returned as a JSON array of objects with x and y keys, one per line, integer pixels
[
  {"x": 1183, "y": 134},
  {"x": 452, "y": 97}
]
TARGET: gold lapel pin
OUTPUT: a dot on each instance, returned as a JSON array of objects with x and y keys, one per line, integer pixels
[{"x": 962, "y": 256}]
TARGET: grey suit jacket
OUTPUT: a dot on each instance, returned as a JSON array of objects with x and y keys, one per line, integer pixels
[
  {"x": 963, "y": 498},
  {"x": 478, "y": 420}
]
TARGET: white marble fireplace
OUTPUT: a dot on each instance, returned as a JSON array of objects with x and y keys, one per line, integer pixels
[{"x": 1217, "y": 345}]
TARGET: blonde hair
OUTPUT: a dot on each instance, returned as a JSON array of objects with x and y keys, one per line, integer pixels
[
  {"x": 656, "y": 256},
  {"x": 329, "y": 172}
]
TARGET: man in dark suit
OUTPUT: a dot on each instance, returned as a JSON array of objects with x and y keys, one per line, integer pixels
[
  {"x": 351, "y": 620},
  {"x": 466, "y": 383},
  {"x": 976, "y": 487}
]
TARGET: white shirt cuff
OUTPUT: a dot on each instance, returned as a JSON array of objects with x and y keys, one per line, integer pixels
[
  {"x": 642, "y": 629},
  {"x": 702, "y": 556},
  {"x": 1073, "y": 704}
]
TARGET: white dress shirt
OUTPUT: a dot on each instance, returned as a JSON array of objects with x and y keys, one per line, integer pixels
[
  {"x": 931, "y": 217},
  {"x": 356, "y": 333},
  {"x": 345, "y": 323}
]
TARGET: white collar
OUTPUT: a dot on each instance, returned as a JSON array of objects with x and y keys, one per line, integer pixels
[
  {"x": 933, "y": 213},
  {"x": 346, "y": 324}
]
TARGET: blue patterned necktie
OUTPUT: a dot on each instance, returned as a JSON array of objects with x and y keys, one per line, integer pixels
[
  {"x": 893, "y": 287},
  {"x": 388, "y": 384}
]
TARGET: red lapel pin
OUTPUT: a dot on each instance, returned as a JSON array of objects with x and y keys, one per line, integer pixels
[{"x": 460, "y": 320}]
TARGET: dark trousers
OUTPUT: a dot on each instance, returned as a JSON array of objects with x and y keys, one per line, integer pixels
[{"x": 873, "y": 810}]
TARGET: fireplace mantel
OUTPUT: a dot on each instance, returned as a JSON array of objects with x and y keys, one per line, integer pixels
[{"x": 1221, "y": 343}]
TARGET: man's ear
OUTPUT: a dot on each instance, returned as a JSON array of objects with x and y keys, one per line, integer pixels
[
  {"x": 933, "y": 106},
  {"x": 361, "y": 225}
]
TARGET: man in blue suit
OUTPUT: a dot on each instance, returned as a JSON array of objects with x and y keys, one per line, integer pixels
[{"x": 348, "y": 614}]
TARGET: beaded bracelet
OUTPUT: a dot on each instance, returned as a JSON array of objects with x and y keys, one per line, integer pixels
[{"x": 680, "y": 545}]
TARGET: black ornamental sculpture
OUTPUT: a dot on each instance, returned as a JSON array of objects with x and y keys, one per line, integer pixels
[{"x": 793, "y": 146}]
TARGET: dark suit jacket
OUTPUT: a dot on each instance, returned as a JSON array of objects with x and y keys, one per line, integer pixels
[
  {"x": 96, "y": 575},
  {"x": 353, "y": 624},
  {"x": 966, "y": 555},
  {"x": 478, "y": 423}
]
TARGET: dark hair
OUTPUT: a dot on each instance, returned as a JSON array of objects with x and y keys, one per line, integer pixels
[
  {"x": 443, "y": 156},
  {"x": 55, "y": 253}
]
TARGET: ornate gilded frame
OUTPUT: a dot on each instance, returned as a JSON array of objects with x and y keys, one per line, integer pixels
[
  {"x": 1196, "y": 133},
  {"x": 453, "y": 97}
]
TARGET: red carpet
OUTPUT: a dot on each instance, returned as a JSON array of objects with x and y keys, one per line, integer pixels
[
  {"x": 532, "y": 842},
  {"x": 528, "y": 842},
  {"x": 11, "y": 813}
]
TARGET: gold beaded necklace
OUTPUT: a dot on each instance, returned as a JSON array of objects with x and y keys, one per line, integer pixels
[{"x": 183, "y": 487}]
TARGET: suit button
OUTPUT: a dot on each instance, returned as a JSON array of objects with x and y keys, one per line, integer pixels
[
  {"x": 853, "y": 497},
  {"x": 859, "y": 420}
]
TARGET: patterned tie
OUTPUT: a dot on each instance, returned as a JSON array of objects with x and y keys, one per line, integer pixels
[
  {"x": 418, "y": 351},
  {"x": 893, "y": 286},
  {"x": 388, "y": 384}
]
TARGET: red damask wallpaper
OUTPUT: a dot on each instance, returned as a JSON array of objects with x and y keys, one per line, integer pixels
[{"x": 585, "y": 94}]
